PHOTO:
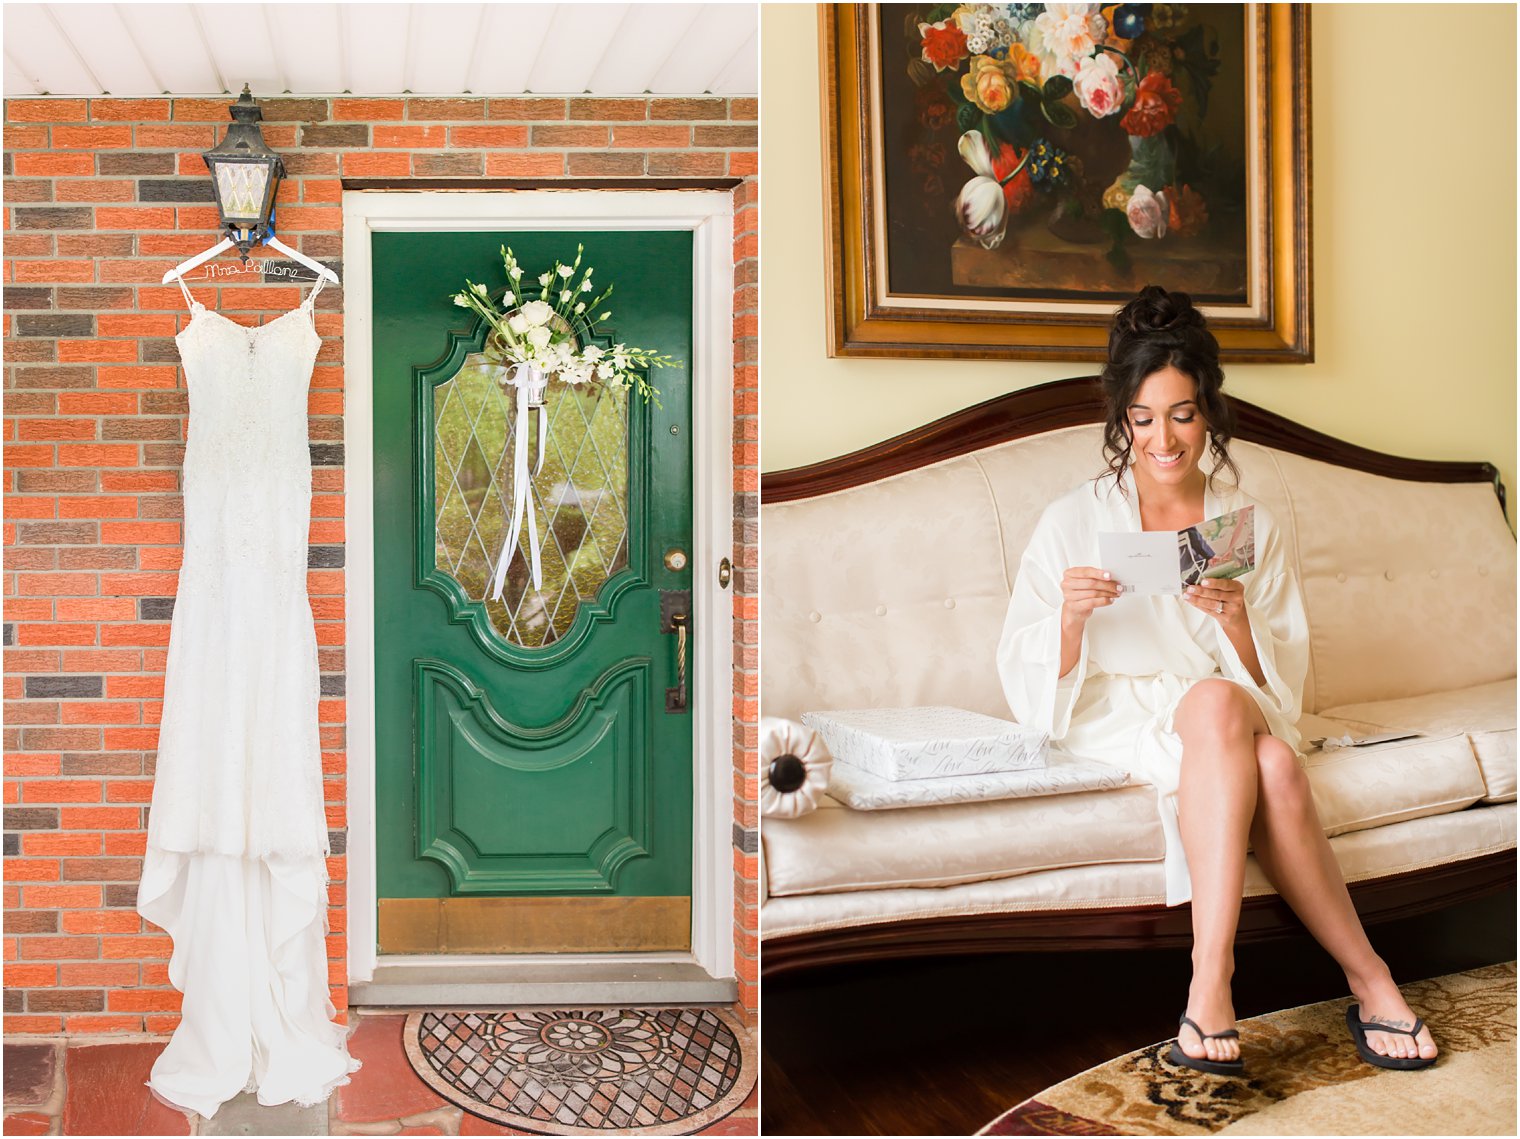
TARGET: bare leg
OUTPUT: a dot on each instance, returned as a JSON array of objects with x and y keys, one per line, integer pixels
[
  {"x": 1291, "y": 847},
  {"x": 1216, "y": 800}
]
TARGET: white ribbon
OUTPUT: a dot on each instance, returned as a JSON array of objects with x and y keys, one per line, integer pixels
[{"x": 531, "y": 384}]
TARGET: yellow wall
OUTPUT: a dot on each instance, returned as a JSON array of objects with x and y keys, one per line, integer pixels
[{"x": 1414, "y": 257}]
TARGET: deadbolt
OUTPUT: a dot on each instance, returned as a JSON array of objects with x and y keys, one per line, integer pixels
[{"x": 675, "y": 559}]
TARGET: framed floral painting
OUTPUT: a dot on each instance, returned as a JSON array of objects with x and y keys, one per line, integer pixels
[{"x": 1003, "y": 176}]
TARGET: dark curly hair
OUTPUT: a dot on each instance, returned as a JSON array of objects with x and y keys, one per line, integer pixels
[{"x": 1157, "y": 330}]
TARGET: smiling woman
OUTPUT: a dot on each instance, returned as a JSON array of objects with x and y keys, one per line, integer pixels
[{"x": 1199, "y": 695}]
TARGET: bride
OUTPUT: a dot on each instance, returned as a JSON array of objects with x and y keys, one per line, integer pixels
[{"x": 1200, "y": 694}]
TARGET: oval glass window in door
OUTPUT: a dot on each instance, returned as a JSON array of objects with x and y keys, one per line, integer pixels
[{"x": 581, "y": 495}]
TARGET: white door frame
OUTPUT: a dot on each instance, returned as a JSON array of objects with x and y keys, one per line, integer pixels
[{"x": 708, "y": 214}]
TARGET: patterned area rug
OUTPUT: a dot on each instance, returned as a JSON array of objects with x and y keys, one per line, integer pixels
[
  {"x": 588, "y": 1071},
  {"x": 1304, "y": 1077}
]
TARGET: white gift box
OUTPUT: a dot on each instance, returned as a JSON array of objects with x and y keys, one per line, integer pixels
[{"x": 920, "y": 743}]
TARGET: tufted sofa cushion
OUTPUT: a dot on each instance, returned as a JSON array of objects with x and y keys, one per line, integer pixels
[
  {"x": 1486, "y": 712},
  {"x": 1356, "y": 788},
  {"x": 836, "y": 848}
]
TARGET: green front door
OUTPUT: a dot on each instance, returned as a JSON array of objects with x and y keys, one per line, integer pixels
[{"x": 534, "y": 778}]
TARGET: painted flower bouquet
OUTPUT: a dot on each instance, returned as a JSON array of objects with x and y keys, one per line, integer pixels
[
  {"x": 550, "y": 334},
  {"x": 1079, "y": 104}
]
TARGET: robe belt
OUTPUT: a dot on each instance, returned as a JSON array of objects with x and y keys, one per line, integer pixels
[{"x": 531, "y": 384}]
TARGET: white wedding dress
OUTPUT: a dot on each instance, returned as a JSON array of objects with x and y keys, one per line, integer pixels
[{"x": 235, "y": 869}]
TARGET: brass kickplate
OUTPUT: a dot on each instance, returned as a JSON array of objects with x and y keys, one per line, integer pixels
[{"x": 534, "y": 925}]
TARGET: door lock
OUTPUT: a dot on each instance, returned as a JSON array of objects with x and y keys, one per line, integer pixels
[{"x": 675, "y": 559}]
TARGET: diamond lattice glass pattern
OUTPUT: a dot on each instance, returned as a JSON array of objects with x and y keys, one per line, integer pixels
[
  {"x": 581, "y": 496},
  {"x": 241, "y": 187}
]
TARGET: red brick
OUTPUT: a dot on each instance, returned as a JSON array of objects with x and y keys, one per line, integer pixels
[
  {"x": 30, "y": 506},
  {"x": 148, "y": 533},
  {"x": 744, "y": 163},
  {"x": 101, "y": 712},
  {"x": 261, "y": 298},
  {"x": 49, "y": 164},
  {"x": 386, "y": 1087},
  {"x": 107, "y": 1082},
  {"x": 689, "y": 108},
  {"x": 27, "y": 1025},
  {"x": 59, "y": 948},
  {"x": 368, "y": 110},
  {"x": 689, "y": 165},
  {"x": 642, "y": 136},
  {"x": 100, "y": 818},
  {"x": 104, "y": 921},
  {"x": 137, "y": 324},
  {"x": 625, "y": 110},
  {"x": 491, "y": 136},
  {"x": 151, "y": 687},
  {"x": 197, "y": 217},
  {"x": 61, "y": 791},
  {"x": 311, "y": 218},
  {"x": 525, "y": 164},
  {"x": 45, "y": 842},
  {"x": 176, "y": 137},
  {"x": 429, "y": 136},
  {"x": 52, "y": 271},
  {"x": 56, "y": 429},
  {"x": 134, "y": 271},
  {"x": 99, "y": 974},
  {"x": 29, "y": 977},
  {"x": 95, "y": 190},
  {"x": 28, "y": 456},
  {"x": 530, "y": 108},
  {"x": 627, "y": 163},
  {"x": 128, "y": 110},
  {"x": 30, "y": 244},
  {"x": 61, "y": 897},
  {"x": 146, "y": 946},
  {"x": 92, "y": 138},
  {"x": 54, "y": 633},
  {"x": 570, "y": 136},
  {"x": 135, "y": 217},
  {"x": 144, "y": 1000},
  {"x": 147, "y": 377},
  {"x": 98, "y": 454},
  {"x": 26, "y": 110},
  {"x": 25, "y": 138}
]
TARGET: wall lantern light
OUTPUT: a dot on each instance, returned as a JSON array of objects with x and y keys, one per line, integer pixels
[{"x": 246, "y": 174}]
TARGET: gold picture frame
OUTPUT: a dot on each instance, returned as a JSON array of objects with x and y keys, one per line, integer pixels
[{"x": 867, "y": 318}]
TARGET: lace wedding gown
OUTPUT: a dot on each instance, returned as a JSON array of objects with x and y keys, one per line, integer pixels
[{"x": 235, "y": 869}]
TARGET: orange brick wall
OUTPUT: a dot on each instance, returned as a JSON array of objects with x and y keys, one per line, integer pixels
[{"x": 101, "y": 197}]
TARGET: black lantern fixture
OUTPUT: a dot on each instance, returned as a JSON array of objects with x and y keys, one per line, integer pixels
[{"x": 245, "y": 174}]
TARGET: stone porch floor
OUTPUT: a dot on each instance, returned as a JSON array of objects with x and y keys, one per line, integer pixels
[{"x": 58, "y": 1087}]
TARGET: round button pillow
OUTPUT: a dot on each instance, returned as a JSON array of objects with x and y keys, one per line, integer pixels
[{"x": 794, "y": 768}]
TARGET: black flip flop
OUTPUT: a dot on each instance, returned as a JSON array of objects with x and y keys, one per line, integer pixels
[
  {"x": 1359, "y": 1029},
  {"x": 1203, "y": 1064}
]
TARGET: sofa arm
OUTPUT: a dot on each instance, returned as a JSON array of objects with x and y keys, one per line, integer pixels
[{"x": 794, "y": 768}]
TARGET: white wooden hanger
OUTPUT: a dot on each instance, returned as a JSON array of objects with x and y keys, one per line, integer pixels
[{"x": 226, "y": 243}]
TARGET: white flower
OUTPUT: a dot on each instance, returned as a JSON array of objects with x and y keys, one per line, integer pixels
[
  {"x": 1097, "y": 86},
  {"x": 1147, "y": 213},
  {"x": 566, "y": 272},
  {"x": 515, "y": 272},
  {"x": 482, "y": 290},
  {"x": 461, "y": 300},
  {"x": 517, "y": 323},
  {"x": 537, "y": 313},
  {"x": 592, "y": 353},
  {"x": 586, "y": 284},
  {"x": 604, "y": 315},
  {"x": 580, "y": 308},
  {"x": 1064, "y": 35},
  {"x": 543, "y": 279},
  {"x": 981, "y": 207},
  {"x": 538, "y": 337},
  {"x": 619, "y": 357},
  {"x": 564, "y": 295}
]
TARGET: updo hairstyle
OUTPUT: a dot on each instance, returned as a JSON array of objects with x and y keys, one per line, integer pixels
[{"x": 1156, "y": 330}]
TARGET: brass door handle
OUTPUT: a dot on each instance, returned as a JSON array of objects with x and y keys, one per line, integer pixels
[{"x": 675, "y": 698}]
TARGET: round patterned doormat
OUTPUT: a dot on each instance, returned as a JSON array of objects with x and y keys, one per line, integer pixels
[{"x": 586, "y": 1071}]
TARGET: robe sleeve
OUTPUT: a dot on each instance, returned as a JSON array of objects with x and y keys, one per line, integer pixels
[
  {"x": 1029, "y": 652},
  {"x": 1279, "y": 629}
]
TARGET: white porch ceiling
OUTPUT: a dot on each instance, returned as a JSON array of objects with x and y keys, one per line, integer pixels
[{"x": 134, "y": 49}]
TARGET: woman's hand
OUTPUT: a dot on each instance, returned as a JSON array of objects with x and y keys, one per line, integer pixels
[
  {"x": 1084, "y": 590},
  {"x": 1222, "y": 598}
]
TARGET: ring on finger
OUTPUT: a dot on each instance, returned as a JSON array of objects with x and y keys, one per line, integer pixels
[{"x": 1219, "y": 608}]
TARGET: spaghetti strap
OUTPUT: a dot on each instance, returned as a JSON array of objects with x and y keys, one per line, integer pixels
[
  {"x": 311, "y": 297},
  {"x": 189, "y": 300}
]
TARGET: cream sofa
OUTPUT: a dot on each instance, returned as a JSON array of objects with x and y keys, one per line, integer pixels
[{"x": 885, "y": 580}]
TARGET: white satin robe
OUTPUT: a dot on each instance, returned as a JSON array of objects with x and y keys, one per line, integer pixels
[{"x": 1141, "y": 655}]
